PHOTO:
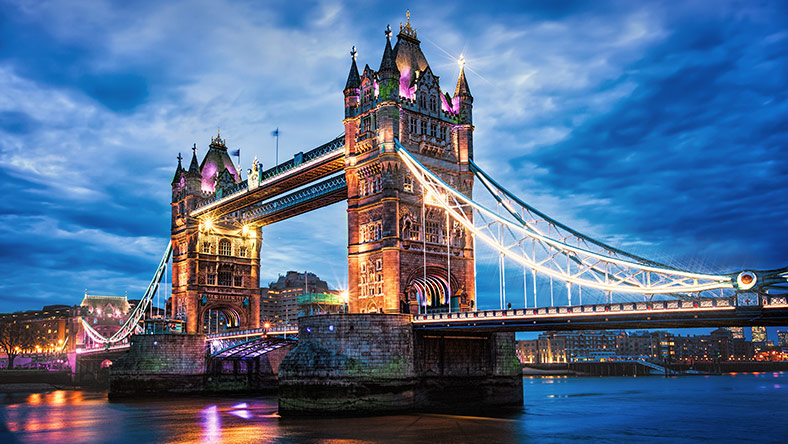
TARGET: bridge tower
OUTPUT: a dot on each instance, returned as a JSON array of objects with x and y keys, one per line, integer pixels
[
  {"x": 216, "y": 263},
  {"x": 404, "y": 256}
]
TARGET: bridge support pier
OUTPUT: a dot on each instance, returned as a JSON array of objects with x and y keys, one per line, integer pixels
[{"x": 355, "y": 364}]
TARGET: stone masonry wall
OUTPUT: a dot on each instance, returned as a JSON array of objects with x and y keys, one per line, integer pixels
[
  {"x": 349, "y": 364},
  {"x": 158, "y": 364}
]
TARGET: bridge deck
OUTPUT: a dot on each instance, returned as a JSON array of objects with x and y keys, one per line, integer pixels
[
  {"x": 304, "y": 168},
  {"x": 707, "y": 312}
]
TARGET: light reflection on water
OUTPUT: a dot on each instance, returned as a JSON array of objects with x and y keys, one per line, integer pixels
[{"x": 741, "y": 408}]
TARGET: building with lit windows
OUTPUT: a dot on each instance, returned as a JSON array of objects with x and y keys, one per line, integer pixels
[
  {"x": 759, "y": 334},
  {"x": 297, "y": 294}
]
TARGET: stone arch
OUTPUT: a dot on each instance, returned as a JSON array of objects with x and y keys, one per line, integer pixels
[
  {"x": 433, "y": 289},
  {"x": 217, "y": 318}
]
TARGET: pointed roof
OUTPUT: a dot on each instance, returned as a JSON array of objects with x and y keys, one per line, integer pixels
[
  {"x": 214, "y": 161},
  {"x": 179, "y": 170},
  {"x": 353, "y": 80},
  {"x": 194, "y": 167},
  {"x": 462, "y": 89},
  {"x": 388, "y": 63}
]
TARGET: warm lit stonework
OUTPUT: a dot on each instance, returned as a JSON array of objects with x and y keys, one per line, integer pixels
[
  {"x": 216, "y": 263},
  {"x": 403, "y": 253}
]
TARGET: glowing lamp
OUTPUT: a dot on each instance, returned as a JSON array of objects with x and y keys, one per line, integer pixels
[
  {"x": 746, "y": 280},
  {"x": 266, "y": 325},
  {"x": 208, "y": 224},
  {"x": 245, "y": 230}
]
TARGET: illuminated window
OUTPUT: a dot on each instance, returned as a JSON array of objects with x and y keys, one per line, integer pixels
[
  {"x": 225, "y": 279},
  {"x": 207, "y": 248},
  {"x": 407, "y": 186},
  {"x": 242, "y": 251},
  {"x": 225, "y": 247},
  {"x": 379, "y": 264}
]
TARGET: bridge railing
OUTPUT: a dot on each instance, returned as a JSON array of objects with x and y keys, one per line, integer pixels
[
  {"x": 330, "y": 185},
  {"x": 623, "y": 307},
  {"x": 299, "y": 162},
  {"x": 279, "y": 329}
]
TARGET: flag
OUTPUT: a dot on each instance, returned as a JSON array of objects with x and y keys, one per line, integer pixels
[
  {"x": 275, "y": 132},
  {"x": 236, "y": 152}
]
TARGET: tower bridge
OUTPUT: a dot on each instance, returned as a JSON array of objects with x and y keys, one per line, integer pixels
[{"x": 405, "y": 167}]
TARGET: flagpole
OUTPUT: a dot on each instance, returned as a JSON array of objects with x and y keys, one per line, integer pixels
[{"x": 277, "y": 145}]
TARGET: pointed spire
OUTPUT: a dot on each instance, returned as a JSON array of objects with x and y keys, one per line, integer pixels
[
  {"x": 353, "y": 80},
  {"x": 194, "y": 168},
  {"x": 462, "y": 89},
  {"x": 388, "y": 63},
  {"x": 178, "y": 170}
]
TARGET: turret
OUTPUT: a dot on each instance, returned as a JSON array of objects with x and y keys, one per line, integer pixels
[
  {"x": 388, "y": 74},
  {"x": 462, "y": 94},
  {"x": 352, "y": 88},
  {"x": 464, "y": 100}
]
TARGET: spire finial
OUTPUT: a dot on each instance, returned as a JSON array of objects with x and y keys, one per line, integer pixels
[
  {"x": 180, "y": 157},
  {"x": 388, "y": 32},
  {"x": 353, "y": 53},
  {"x": 218, "y": 132},
  {"x": 406, "y": 28},
  {"x": 461, "y": 61},
  {"x": 194, "y": 149}
]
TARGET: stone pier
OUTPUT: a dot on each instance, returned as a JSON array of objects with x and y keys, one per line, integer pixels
[{"x": 351, "y": 364}]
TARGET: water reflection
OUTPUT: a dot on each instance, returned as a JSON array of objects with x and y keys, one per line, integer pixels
[{"x": 556, "y": 410}]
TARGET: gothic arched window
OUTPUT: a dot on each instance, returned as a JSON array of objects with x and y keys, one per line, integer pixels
[{"x": 225, "y": 247}]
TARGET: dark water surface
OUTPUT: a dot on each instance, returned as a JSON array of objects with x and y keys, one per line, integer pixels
[{"x": 729, "y": 408}]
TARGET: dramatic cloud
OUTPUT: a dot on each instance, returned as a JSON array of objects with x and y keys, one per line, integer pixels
[{"x": 658, "y": 128}]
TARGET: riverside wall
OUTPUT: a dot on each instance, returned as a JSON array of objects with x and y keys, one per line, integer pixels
[{"x": 351, "y": 364}]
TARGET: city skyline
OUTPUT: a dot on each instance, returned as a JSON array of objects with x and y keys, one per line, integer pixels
[{"x": 91, "y": 126}]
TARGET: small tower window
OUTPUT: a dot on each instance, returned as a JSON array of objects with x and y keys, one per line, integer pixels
[
  {"x": 433, "y": 102},
  {"x": 225, "y": 247},
  {"x": 243, "y": 252},
  {"x": 238, "y": 281},
  {"x": 207, "y": 247},
  {"x": 225, "y": 279},
  {"x": 407, "y": 186},
  {"x": 412, "y": 124}
]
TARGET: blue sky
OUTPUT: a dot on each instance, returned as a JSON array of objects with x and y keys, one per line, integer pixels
[{"x": 659, "y": 127}]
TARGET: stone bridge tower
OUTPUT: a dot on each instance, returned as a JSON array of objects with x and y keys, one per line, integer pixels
[
  {"x": 215, "y": 263},
  {"x": 404, "y": 256}
]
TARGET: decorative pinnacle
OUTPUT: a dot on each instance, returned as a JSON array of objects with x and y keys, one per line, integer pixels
[
  {"x": 461, "y": 61},
  {"x": 388, "y": 32},
  {"x": 179, "y": 158},
  {"x": 353, "y": 53},
  {"x": 194, "y": 148},
  {"x": 406, "y": 29}
]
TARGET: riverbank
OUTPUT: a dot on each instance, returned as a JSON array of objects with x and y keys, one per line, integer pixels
[{"x": 630, "y": 368}]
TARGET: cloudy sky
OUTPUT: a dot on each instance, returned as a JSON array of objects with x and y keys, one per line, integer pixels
[{"x": 660, "y": 127}]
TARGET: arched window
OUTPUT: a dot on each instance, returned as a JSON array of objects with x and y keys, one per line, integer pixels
[
  {"x": 433, "y": 104},
  {"x": 225, "y": 247},
  {"x": 243, "y": 252}
]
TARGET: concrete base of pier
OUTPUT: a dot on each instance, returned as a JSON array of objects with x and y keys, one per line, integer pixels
[{"x": 357, "y": 364}]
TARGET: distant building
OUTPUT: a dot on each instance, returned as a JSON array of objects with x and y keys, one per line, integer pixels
[
  {"x": 736, "y": 332},
  {"x": 657, "y": 346},
  {"x": 279, "y": 302},
  {"x": 759, "y": 334},
  {"x": 782, "y": 338},
  {"x": 55, "y": 327}
]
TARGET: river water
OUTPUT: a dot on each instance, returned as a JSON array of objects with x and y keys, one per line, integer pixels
[{"x": 737, "y": 408}]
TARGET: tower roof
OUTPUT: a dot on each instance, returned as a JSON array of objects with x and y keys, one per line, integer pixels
[
  {"x": 194, "y": 167},
  {"x": 353, "y": 80},
  {"x": 178, "y": 170},
  {"x": 462, "y": 88},
  {"x": 214, "y": 161},
  {"x": 388, "y": 63}
]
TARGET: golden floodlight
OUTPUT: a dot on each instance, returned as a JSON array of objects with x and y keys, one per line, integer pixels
[
  {"x": 245, "y": 230},
  {"x": 208, "y": 224},
  {"x": 266, "y": 325}
]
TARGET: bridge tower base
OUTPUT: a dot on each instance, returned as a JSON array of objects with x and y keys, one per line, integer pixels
[{"x": 358, "y": 364}]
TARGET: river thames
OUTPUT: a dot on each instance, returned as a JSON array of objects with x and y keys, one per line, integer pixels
[{"x": 751, "y": 407}]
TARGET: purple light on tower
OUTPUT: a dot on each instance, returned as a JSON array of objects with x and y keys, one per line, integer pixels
[{"x": 404, "y": 85}]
